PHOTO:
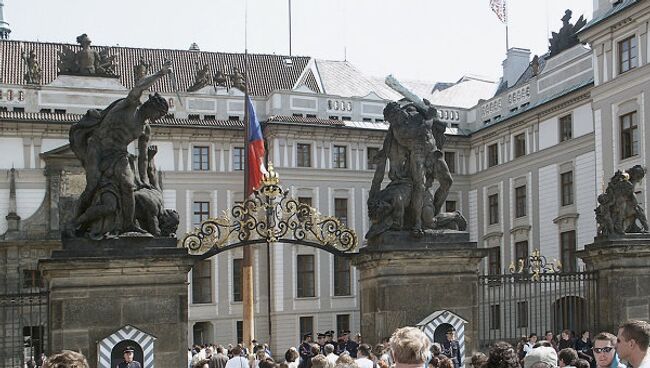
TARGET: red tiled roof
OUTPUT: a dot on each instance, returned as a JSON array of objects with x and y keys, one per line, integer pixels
[{"x": 267, "y": 72}]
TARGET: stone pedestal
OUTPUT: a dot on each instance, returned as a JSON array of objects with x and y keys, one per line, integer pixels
[
  {"x": 622, "y": 267},
  {"x": 98, "y": 287},
  {"x": 404, "y": 279}
]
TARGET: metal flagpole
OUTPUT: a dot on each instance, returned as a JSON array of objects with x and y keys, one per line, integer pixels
[
  {"x": 289, "y": 27},
  {"x": 505, "y": 15},
  {"x": 247, "y": 267}
]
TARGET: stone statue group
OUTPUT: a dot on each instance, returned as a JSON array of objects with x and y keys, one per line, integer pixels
[
  {"x": 122, "y": 193},
  {"x": 412, "y": 150}
]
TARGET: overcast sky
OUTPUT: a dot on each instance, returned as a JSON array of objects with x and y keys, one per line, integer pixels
[{"x": 431, "y": 40}]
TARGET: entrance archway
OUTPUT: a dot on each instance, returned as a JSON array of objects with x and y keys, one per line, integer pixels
[{"x": 570, "y": 312}]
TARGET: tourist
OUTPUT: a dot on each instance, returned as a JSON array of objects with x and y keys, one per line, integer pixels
[
  {"x": 532, "y": 340},
  {"x": 605, "y": 351},
  {"x": 548, "y": 336},
  {"x": 451, "y": 348},
  {"x": 567, "y": 357},
  {"x": 346, "y": 361},
  {"x": 259, "y": 356},
  {"x": 502, "y": 355},
  {"x": 305, "y": 348},
  {"x": 445, "y": 363},
  {"x": 319, "y": 361},
  {"x": 565, "y": 340},
  {"x": 410, "y": 347},
  {"x": 582, "y": 363},
  {"x": 330, "y": 355},
  {"x": 583, "y": 347},
  {"x": 205, "y": 363},
  {"x": 520, "y": 348},
  {"x": 363, "y": 357},
  {"x": 478, "y": 360},
  {"x": 434, "y": 362},
  {"x": 237, "y": 360},
  {"x": 387, "y": 354},
  {"x": 291, "y": 358},
  {"x": 66, "y": 359},
  {"x": 546, "y": 355},
  {"x": 219, "y": 359},
  {"x": 632, "y": 343},
  {"x": 267, "y": 363}
]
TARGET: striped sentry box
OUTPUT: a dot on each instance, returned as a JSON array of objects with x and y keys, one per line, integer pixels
[
  {"x": 128, "y": 332},
  {"x": 435, "y": 319}
]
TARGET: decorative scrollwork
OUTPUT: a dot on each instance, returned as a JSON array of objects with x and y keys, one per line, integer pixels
[
  {"x": 536, "y": 265},
  {"x": 271, "y": 215}
]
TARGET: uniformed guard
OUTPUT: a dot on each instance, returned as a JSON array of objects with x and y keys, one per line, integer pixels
[
  {"x": 451, "y": 348},
  {"x": 321, "y": 342},
  {"x": 305, "y": 347},
  {"x": 128, "y": 359},
  {"x": 346, "y": 345},
  {"x": 329, "y": 338}
]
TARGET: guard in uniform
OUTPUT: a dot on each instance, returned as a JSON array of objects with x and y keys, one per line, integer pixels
[
  {"x": 347, "y": 345},
  {"x": 329, "y": 338},
  {"x": 128, "y": 361},
  {"x": 321, "y": 342},
  {"x": 305, "y": 348},
  {"x": 451, "y": 348}
]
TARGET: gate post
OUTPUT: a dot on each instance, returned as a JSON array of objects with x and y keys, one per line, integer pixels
[
  {"x": 403, "y": 280},
  {"x": 622, "y": 267}
]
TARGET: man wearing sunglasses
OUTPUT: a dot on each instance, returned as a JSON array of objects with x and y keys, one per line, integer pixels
[{"x": 605, "y": 351}]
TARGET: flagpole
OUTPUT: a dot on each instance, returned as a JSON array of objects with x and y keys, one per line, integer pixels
[
  {"x": 247, "y": 262},
  {"x": 505, "y": 14}
]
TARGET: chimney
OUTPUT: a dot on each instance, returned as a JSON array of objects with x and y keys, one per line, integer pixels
[
  {"x": 4, "y": 26},
  {"x": 515, "y": 65}
]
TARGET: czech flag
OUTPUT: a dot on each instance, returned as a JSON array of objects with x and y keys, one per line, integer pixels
[{"x": 256, "y": 168}]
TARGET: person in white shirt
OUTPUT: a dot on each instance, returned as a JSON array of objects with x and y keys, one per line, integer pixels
[
  {"x": 330, "y": 356},
  {"x": 237, "y": 361},
  {"x": 363, "y": 357},
  {"x": 409, "y": 347},
  {"x": 532, "y": 340},
  {"x": 632, "y": 343}
]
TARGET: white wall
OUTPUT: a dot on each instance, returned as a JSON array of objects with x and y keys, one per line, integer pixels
[
  {"x": 583, "y": 122},
  {"x": 548, "y": 210},
  {"x": 11, "y": 153},
  {"x": 548, "y": 133},
  {"x": 585, "y": 198}
]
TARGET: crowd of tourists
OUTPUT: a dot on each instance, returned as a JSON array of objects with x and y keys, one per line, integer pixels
[{"x": 408, "y": 347}]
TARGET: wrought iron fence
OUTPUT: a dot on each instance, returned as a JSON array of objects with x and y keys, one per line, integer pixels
[
  {"x": 23, "y": 317},
  {"x": 535, "y": 301}
]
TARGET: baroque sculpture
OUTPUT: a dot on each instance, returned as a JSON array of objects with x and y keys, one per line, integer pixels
[
  {"x": 202, "y": 78},
  {"x": 220, "y": 79},
  {"x": 86, "y": 61},
  {"x": 618, "y": 211},
  {"x": 141, "y": 69},
  {"x": 567, "y": 36},
  {"x": 32, "y": 68},
  {"x": 118, "y": 190},
  {"x": 237, "y": 79},
  {"x": 413, "y": 148}
]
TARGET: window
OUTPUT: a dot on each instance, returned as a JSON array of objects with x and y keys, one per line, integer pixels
[
  {"x": 45, "y": 111},
  {"x": 493, "y": 155},
  {"x": 341, "y": 210},
  {"x": 201, "y": 158},
  {"x": 450, "y": 206},
  {"x": 32, "y": 279},
  {"x": 566, "y": 188},
  {"x": 340, "y": 157},
  {"x": 494, "y": 261},
  {"x": 209, "y": 117},
  {"x": 202, "y": 282},
  {"x": 495, "y": 317},
  {"x": 627, "y": 54},
  {"x": 371, "y": 153},
  {"x": 520, "y": 145},
  {"x": 312, "y": 116},
  {"x": 342, "y": 322},
  {"x": 305, "y": 200},
  {"x": 520, "y": 201},
  {"x": 346, "y": 118},
  {"x": 450, "y": 159},
  {"x": 303, "y": 153},
  {"x": 493, "y": 209},
  {"x": 296, "y": 114},
  {"x": 238, "y": 158},
  {"x": 237, "y": 279},
  {"x": 568, "y": 251},
  {"x": 306, "y": 281},
  {"x": 333, "y": 117},
  {"x": 379, "y": 120},
  {"x": 521, "y": 252},
  {"x": 366, "y": 119},
  {"x": 629, "y": 135},
  {"x": 193, "y": 117},
  {"x": 200, "y": 212},
  {"x": 306, "y": 326},
  {"x": 341, "y": 276},
  {"x": 522, "y": 314},
  {"x": 3, "y": 108},
  {"x": 233, "y": 117},
  {"x": 566, "y": 128},
  {"x": 240, "y": 332}
]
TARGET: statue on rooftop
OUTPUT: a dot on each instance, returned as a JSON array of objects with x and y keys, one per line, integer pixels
[
  {"x": 237, "y": 79},
  {"x": 567, "y": 36},
  {"x": 220, "y": 79},
  {"x": 86, "y": 61},
  {"x": 106, "y": 208},
  {"x": 619, "y": 211},
  {"x": 33, "y": 68},
  {"x": 141, "y": 69},
  {"x": 202, "y": 78},
  {"x": 413, "y": 147}
]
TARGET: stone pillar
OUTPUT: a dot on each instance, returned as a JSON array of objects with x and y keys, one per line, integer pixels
[
  {"x": 98, "y": 287},
  {"x": 622, "y": 268},
  {"x": 403, "y": 280}
]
